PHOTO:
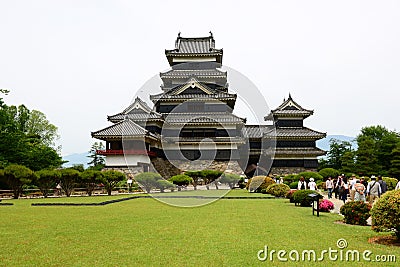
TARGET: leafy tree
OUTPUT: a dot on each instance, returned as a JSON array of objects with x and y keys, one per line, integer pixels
[
  {"x": 180, "y": 180},
  {"x": 348, "y": 163},
  {"x": 382, "y": 141},
  {"x": 336, "y": 151},
  {"x": 164, "y": 184},
  {"x": 97, "y": 161},
  {"x": 90, "y": 178},
  {"x": 385, "y": 213},
  {"x": 148, "y": 180},
  {"x": 395, "y": 162},
  {"x": 366, "y": 161},
  {"x": 46, "y": 180},
  {"x": 110, "y": 179},
  {"x": 211, "y": 176},
  {"x": 38, "y": 125},
  {"x": 230, "y": 178},
  {"x": 68, "y": 179},
  {"x": 16, "y": 176},
  {"x": 196, "y": 176}
]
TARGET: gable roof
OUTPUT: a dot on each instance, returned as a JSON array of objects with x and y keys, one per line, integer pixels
[
  {"x": 137, "y": 111},
  {"x": 289, "y": 108},
  {"x": 194, "y": 45}
]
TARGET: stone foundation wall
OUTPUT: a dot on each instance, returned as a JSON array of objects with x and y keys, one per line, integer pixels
[{"x": 226, "y": 166}]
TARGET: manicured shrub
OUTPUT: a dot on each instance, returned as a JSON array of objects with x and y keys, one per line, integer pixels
[
  {"x": 278, "y": 190},
  {"x": 386, "y": 213},
  {"x": 391, "y": 182},
  {"x": 356, "y": 212},
  {"x": 290, "y": 178},
  {"x": 289, "y": 195},
  {"x": 258, "y": 183},
  {"x": 326, "y": 205},
  {"x": 230, "y": 178},
  {"x": 293, "y": 185},
  {"x": 329, "y": 172},
  {"x": 301, "y": 197},
  {"x": 148, "y": 180},
  {"x": 180, "y": 180},
  {"x": 308, "y": 175}
]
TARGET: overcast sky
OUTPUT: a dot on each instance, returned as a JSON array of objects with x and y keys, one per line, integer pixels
[{"x": 79, "y": 61}]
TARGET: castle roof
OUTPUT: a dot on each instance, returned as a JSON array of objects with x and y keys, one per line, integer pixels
[
  {"x": 137, "y": 111},
  {"x": 289, "y": 108},
  {"x": 126, "y": 128}
]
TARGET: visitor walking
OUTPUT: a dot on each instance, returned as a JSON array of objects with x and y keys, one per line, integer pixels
[
  {"x": 302, "y": 185},
  {"x": 360, "y": 191},
  {"x": 383, "y": 185},
  {"x": 344, "y": 190},
  {"x": 329, "y": 186},
  {"x": 373, "y": 190},
  {"x": 338, "y": 187},
  {"x": 351, "y": 187},
  {"x": 312, "y": 185}
]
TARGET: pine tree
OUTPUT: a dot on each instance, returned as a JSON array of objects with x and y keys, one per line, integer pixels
[
  {"x": 97, "y": 161},
  {"x": 366, "y": 162},
  {"x": 395, "y": 162}
]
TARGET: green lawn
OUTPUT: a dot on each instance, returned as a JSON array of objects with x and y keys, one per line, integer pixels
[{"x": 146, "y": 232}]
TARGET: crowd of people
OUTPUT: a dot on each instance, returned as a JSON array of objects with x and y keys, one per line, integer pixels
[{"x": 351, "y": 188}]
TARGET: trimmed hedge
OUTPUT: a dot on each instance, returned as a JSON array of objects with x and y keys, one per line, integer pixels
[
  {"x": 259, "y": 184},
  {"x": 301, "y": 197},
  {"x": 356, "y": 212},
  {"x": 278, "y": 190},
  {"x": 386, "y": 213}
]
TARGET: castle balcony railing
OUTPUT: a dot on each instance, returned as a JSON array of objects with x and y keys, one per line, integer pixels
[{"x": 126, "y": 152}]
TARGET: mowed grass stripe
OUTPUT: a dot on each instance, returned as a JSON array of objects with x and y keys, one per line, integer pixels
[{"x": 145, "y": 232}]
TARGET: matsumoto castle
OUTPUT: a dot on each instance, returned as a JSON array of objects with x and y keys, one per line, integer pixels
[{"x": 191, "y": 125}]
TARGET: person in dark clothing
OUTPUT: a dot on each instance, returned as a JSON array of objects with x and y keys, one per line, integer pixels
[{"x": 383, "y": 184}]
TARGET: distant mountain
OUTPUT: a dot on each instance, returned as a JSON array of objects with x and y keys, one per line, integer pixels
[
  {"x": 324, "y": 143},
  {"x": 76, "y": 158}
]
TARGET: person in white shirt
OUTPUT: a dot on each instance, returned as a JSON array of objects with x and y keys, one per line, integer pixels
[
  {"x": 302, "y": 185},
  {"x": 352, "y": 188},
  {"x": 329, "y": 187},
  {"x": 312, "y": 185},
  {"x": 373, "y": 190}
]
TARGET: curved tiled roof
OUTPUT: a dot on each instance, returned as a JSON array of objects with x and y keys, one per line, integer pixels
[
  {"x": 300, "y": 151},
  {"x": 125, "y": 128},
  {"x": 194, "y": 45},
  {"x": 294, "y": 133},
  {"x": 203, "y": 118},
  {"x": 255, "y": 131},
  {"x": 135, "y": 116},
  {"x": 202, "y": 73}
]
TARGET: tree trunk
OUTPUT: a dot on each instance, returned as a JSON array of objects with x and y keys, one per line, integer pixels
[
  {"x": 179, "y": 187},
  {"x": 109, "y": 191}
]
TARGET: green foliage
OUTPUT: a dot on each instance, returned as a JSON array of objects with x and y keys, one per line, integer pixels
[
  {"x": 321, "y": 185},
  {"x": 336, "y": 151},
  {"x": 356, "y": 212},
  {"x": 289, "y": 195},
  {"x": 196, "y": 176},
  {"x": 301, "y": 197},
  {"x": 308, "y": 175},
  {"x": 148, "y": 180},
  {"x": 329, "y": 172},
  {"x": 46, "y": 180},
  {"x": 367, "y": 161},
  {"x": 259, "y": 183},
  {"x": 16, "y": 176},
  {"x": 278, "y": 190},
  {"x": 230, "y": 179},
  {"x": 395, "y": 162},
  {"x": 390, "y": 182},
  {"x": 68, "y": 179},
  {"x": 27, "y": 138},
  {"x": 291, "y": 178},
  {"x": 110, "y": 179},
  {"x": 348, "y": 162},
  {"x": 180, "y": 180},
  {"x": 90, "y": 178},
  {"x": 293, "y": 185},
  {"x": 386, "y": 213},
  {"x": 97, "y": 161},
  {"x": 164, "y": 184}
]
